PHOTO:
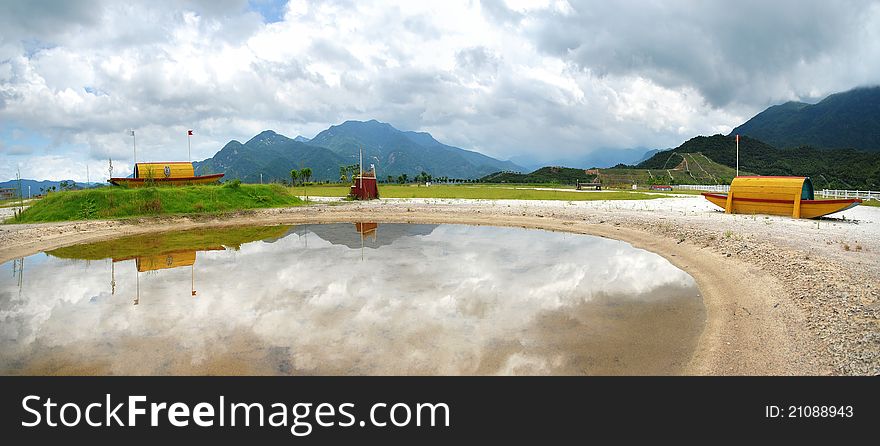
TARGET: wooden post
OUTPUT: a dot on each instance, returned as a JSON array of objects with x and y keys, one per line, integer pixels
[
  {"x": 796, "y": 212},
  {"x": 728, "y": 209}
]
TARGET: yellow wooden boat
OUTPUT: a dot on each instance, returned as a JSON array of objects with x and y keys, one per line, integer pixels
[
  {"x": 175, "y": 173},
  {"x": 776, "y": 195}
]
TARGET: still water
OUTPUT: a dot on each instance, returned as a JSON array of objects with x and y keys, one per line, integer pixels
[{"x": 351, "y": 299}]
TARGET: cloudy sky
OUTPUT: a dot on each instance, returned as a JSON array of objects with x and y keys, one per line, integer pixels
[{"x": 548, "y": 80}]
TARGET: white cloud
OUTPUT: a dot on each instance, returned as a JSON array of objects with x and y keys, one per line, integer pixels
[
  {"x": 447, "y": 302},
  {"x": 548, "y": 79}
]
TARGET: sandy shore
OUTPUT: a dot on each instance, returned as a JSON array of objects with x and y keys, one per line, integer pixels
[{"x": 782, "y": 296}]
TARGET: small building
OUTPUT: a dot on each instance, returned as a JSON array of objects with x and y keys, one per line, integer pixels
[
  {"x": 8, "y": 193},
  {"x": 364, "y": 186},
  {"x": 663, "y": 187}
]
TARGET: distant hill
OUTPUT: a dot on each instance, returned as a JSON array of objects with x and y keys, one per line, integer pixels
[
  {"x": 544, "y": 175},
  {"x": 400, "y": 152},
  {"x": 273, "y": 156},
  {"x": 829, "y": 168},
  {"x": 689, "y": 168},
  {"x": 849, "y": 120},
  {"x": 597, "y": 158},
  {"x": 40, "y": 186}
]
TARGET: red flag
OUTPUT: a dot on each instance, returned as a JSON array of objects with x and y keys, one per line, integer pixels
[{"x": 190, "y": 133}]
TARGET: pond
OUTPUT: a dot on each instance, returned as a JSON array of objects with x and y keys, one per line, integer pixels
[{"x": 348, "y": 299}]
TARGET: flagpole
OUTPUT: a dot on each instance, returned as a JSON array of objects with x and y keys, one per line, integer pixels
[
  {"x": 134, "y": 146},
  {"x": 737, "y": 155},
  {"x": 189, "y": 134}
]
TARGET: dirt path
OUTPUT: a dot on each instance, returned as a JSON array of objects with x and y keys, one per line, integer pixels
[{"x": 781, "y": 297}]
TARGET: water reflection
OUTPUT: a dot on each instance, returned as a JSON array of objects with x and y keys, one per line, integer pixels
[{"x": 423, "y": 299}]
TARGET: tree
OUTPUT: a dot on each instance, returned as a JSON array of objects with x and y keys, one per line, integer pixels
[
  {"x": 343, "y": 174},
  {"x": 294, "y": 174},
  {"x": 390, "y": 179},
  {"x": 306, "y": 173}
]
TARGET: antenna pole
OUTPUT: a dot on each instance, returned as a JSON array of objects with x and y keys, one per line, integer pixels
[{"x": 737, "y": 155}]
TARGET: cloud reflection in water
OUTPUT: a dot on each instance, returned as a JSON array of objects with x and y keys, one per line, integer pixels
[{"x": 427, "y": 299}]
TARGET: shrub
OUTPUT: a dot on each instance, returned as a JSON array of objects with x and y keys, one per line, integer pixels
[{"x": 153, "y": 206}]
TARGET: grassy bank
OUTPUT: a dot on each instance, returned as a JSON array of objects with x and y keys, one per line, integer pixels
[
  {"x": 169, "y": 242},
  {"x": 115, "y": 202},
  {"x": 489, "y": 192}
]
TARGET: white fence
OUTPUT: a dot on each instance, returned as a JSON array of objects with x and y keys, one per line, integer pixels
[
  {"x": 706, "y": 187},
  {"x": 838, "y": 193}
]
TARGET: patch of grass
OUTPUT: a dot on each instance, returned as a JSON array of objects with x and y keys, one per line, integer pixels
[
  {"x": 155, "y": 244},
  {"x": 116, "y": 202},
  {"x": 477, "y": 191}
]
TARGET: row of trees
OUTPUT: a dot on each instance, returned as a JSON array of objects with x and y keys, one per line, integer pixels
[
  {"x": 303, "y": 175},
  {"x": 347, "y": 174}
]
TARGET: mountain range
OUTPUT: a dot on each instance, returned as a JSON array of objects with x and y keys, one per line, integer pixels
[
  {"x": 828, "y": 168},
  {"x": 41, "y": 186},
  {"x": 596, "y": 158},
  {"x": 836, "y": 142},
  {"x": 392, "y": 151},
  {"x": 848, "y": 120}
]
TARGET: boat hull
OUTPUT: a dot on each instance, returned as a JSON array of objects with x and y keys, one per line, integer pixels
[
  {"x": 808, "y": 208},
  {"x": 182, "y": 181}
]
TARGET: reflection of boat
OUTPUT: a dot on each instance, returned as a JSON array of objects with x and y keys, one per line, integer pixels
[
  {"x": 168, "y": 250},
  {"x": 176, "y": 173},
  {"x": 776, "y": 196},
  {"x": 165, "y": 260},
  {"x": 163, "y": 243}
]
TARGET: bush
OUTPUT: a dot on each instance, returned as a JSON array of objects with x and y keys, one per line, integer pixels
[
  {"x": 234, "y": 184},
  {"x": 153, "y": 206}
]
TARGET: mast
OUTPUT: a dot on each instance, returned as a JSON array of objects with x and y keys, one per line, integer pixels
[{"x": 737, "y": 155}]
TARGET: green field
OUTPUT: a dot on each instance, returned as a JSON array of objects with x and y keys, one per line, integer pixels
[
  {"x": 488, "y": 192},
  {"x": 116, "y": 202}
]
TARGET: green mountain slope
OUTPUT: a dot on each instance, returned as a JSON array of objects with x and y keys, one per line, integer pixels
[
  {"x": 397, "y": 152},
  {"x": 273, "y": 156},
  {"x": 833, "y": 169},
  {"x": 684, "y": 168},
  {"x": 849, "y": 120}
]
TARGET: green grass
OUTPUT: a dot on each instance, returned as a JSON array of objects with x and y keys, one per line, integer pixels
[
  {"x": 488, "y": 192},
  {"x": 116, "y": 202}
]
